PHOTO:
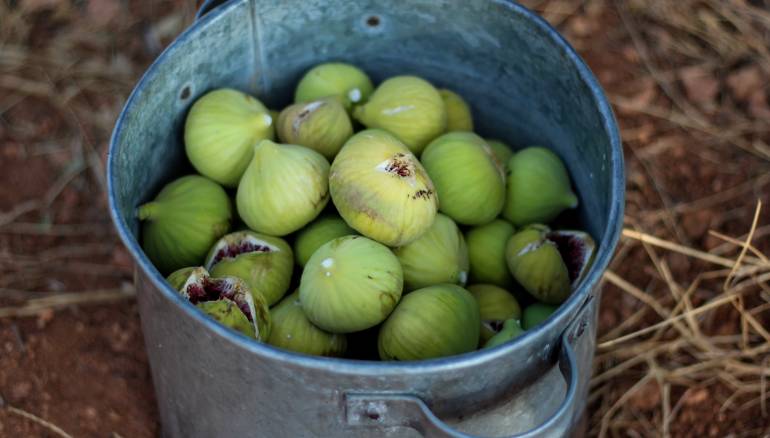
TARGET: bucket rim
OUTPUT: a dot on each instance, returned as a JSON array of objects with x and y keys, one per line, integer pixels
[{"x": 565, "y": 312}]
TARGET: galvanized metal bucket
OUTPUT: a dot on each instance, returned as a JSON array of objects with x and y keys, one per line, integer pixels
[{"x": 525, "y": 84}]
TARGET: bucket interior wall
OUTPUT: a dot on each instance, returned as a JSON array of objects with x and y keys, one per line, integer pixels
[{"x": 517, "y": 90}]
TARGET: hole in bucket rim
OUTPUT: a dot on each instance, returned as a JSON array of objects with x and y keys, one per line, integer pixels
[
  {"x": 373, "y": 21},
  {"x": 185, "y": 93}
]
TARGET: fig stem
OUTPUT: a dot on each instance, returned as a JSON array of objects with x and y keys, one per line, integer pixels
[{"x": 149, "y": 210}]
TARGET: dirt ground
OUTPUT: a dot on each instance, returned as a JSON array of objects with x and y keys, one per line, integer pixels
[{"x": 689, "y": 84}]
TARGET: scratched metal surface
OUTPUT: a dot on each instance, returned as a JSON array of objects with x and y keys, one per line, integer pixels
[{"x": 525, "y": 85}]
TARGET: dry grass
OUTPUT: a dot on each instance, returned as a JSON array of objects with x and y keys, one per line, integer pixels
[
  {"x": 690, "y": 354},
  {"x": 688, "y": 348},
  {"x": 680, "y": 351}
]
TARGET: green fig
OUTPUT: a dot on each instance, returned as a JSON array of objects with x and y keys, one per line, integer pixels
[
  {"x": 436, "y": 321},
  {"x": 535, "y": 314},
  {"x": 549, "y": 263},
  {"x": 535, "y": 262},
  {"x": 438, "y": 256},
  {"x": 409, "y": 108},
  {"x": 495, "y": 306},
  {"x": 322, "y": 125},
  {"x": 458, "y": 113},
  {"x": 486, "y": 252},
  {"x": 350, "y": 284},
  {"x": 469, "y": 182},
  {"x": 538, "y": 187},
  {"x": 265, "y": 263},
  {"x": 502, "y": 151},
  {"x": 183, "y": 221},
  {"x": 349, "y": 84},
  {"x": 227, "y": 300},
  {"x": 322, "y": 230},
  {"x": 511, "y": 330},
  {"x": 283, "y": 189},
  {"x": 293, "y": 331},
  {"x": 220, "y": 132},
  {"x": 227, "y": 313},
  {"x": 179, "y": 278},
  {"x": 381, "y": 190}
]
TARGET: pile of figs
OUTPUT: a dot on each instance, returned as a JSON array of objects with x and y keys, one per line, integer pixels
[{"x": 432, "y": 241}]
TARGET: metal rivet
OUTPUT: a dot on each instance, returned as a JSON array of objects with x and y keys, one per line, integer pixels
[
  {"x": 373, "y": 21},
  {"x": 185, "y": 93}
]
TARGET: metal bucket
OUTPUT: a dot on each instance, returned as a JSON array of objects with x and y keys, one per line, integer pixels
[{"x": 525, "y": 84}]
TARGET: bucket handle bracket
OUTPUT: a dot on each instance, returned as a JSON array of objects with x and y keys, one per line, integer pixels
[{"x": 406, "y": 410}]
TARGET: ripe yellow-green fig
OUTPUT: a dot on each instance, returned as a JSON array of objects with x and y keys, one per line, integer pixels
[
  {"x": 227, "y": 300},
  {"x": 486, "y": 252},
  {"x": 469, "y": 182},
  {"x": 322, "y": 230},
  {"x": 220, "y": 132},
  {"x": 264, "y": 262},
  {"x": 436, "y": 321},
  {"x": 322, "y": 125},
  {"x": 409, "y": 108},
  {"x": 283, "y": 189},
  {"x": 381, "y": 190},
  {"x": 535, "y": 262},
  {"x": 502, "y": 151},
  {"x": 350, "y": 284},
  {"x": 458, "y": 112},
  {"x": 538, "y": 187},
  {"x": 495, "y": 306},
  {"x": 293, "y": 331},
  {"x": 349, "y": 84},
  {"x": 438, "y": 256},
  {"x": 183, "y": 221}
]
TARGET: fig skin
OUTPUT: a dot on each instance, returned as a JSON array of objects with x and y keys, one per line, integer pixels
[
  {"x": 312, "y": 237},
  {"x": 469, "y": 182},
  {"x": 347, "y": 83},
  {"x": 264, "y": 262},
  {"x": 409, "y": 108},
  {"x": 537, "y": 265},
  {"x": 459, "y": 117},
  {"x": 486, "y": 253},
  {"x": 183, "y": 221},
  {"x": 511, "y": 330},
  {"x": 536, "y": 313},
  {"x": 283, "y": 189},
  {"x": 381, "y": 190},
  {"x": 538, "y": 187},
  {"x": 220, "y": 131},
  {"x": 293, "y": 331},
  {"x": 322, "y": 125},
  {"x": 438, "y": 256},
  {"x": 350, "y": 284},
  {"x": 495, "y": 306},
  {"x": 227, "y": 300},
  {"x": 436, "y": 321},
  {"x": 502, "y": 151}
]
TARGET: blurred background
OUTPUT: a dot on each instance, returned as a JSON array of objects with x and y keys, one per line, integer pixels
[{"x": 684, "y": 337}]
